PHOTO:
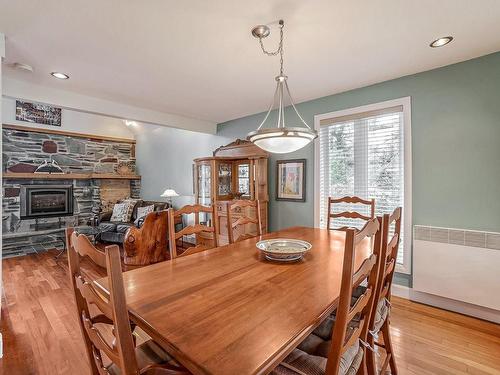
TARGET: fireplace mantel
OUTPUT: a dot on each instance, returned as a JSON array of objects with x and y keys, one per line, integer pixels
[{"x": 69, "y": 176}]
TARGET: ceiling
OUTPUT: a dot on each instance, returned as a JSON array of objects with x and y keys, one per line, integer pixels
[{"x": 197, "y": 58}]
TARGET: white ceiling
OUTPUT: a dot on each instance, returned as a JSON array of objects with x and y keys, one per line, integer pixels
[{"x": 197, "y": 58}]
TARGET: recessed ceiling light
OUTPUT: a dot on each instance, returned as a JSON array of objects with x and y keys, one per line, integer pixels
[
  {"x": 441, "y": 41},
  {"x": 59, "y": 75}
]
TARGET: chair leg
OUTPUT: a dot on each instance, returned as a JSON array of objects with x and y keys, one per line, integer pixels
[
  {"x": 363, "y": 368},
  {"x": 371, "y": 364},
  {"x": 388, "y": 346}
]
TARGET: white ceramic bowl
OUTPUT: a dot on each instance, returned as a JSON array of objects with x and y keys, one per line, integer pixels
[{"x": 283, "y": 249}]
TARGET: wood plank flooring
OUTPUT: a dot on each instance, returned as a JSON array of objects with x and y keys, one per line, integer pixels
[{"x": 41, "y": 334}]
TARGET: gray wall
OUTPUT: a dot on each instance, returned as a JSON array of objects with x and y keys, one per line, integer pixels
[
  {"x": 165, "y": 157},
  {"x": 455, "y": 144}
]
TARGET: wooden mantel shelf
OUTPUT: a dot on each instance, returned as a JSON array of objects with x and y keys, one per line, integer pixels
[{"x": 70, "y": 176}]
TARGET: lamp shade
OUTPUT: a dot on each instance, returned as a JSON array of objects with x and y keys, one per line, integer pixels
[{"x": 169, "y": 193}]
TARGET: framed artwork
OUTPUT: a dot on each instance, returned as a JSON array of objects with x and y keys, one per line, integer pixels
[
  {"x": 291, "y": 180},
  {"x": 38, "y": 113}
]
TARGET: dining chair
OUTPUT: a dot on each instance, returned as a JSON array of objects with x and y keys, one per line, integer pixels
[
  {"x": 338, "y": 344},
  {"x": 349, "y": 200},
  {"x": 380, "y": 317},
  {"x": 197, "y": 229},
  {"x": 234, "y": 232},
  {"x": 126, "y": 359}
]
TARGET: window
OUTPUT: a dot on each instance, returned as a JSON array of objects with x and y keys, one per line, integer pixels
[{"x": 365, "y": 151}]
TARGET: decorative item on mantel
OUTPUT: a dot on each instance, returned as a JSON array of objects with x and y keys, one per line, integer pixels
[
  {"x": 49, "y": 168},
  {"x": 280, "y": 139},
  {"x": 125, "y": 168}
]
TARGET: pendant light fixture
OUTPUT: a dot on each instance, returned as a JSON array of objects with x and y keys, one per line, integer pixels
[{"x": 280, "y": 139}]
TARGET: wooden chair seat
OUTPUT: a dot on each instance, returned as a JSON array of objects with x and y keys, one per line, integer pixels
[
  {"x": 150, "y": 355},
  {"x": 299, "y": 362}
]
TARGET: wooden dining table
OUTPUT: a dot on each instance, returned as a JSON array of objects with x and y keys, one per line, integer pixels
[{"x": 230, "y": 311}]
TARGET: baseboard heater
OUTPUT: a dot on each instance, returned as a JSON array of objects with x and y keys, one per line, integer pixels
[{"x": 461, "y": 265}]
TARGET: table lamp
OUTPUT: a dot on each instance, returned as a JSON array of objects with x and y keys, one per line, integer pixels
[{"x": 169, "y": 194}]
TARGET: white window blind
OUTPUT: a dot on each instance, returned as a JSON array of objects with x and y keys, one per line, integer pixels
[{"x": 363, "y": 155}]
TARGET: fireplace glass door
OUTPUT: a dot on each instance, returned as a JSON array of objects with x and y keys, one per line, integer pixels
[{"x": 38, "y": 201}]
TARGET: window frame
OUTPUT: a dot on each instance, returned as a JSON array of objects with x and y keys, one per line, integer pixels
[{"x": 405, "y": 102}]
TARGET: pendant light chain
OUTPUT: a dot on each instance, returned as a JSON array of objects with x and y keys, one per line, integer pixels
[{"x": 278, "y": 50}]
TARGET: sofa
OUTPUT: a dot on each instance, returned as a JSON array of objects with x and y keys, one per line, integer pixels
[{"x": 114, "y": 232}]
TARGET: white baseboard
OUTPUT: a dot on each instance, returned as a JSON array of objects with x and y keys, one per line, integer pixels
[{"x": 446, "y": 303}]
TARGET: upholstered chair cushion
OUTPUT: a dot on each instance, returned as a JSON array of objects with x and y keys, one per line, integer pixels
[
  {"x": 383, "y": 308},
  {"x": 316, "y": 365},
  {"x": 123, "y": 227},
  {"x": 316, "y": 345},
  {"x": 107, "y": 226},
  {"x": 148, "y": 353}
]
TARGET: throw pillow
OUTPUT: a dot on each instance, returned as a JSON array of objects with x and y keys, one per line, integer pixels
[
  {"x": 143, "y": 211},
  {"x": 120, "y": 211},
  {"x": 132, "y": 202}
]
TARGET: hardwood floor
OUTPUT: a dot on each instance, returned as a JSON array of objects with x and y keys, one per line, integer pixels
[{"x": 41, "y": 334}]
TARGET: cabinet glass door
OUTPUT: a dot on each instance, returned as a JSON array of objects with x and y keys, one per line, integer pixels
[
  {"x": 243, "y": 180},
  {"x": 224, "y": 179},
  {"x": 204, "y": 181}
]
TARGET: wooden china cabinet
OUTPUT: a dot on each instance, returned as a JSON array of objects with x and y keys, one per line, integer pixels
[{"x": 235, "y": 171}]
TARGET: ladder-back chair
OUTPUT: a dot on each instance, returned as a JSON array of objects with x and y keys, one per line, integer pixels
[
  {"x": 380, "y": 318},
  {"x": 196, "y": 229},
  {"x": 337, "y": 346},
  {"x": 234, "y": 232},
  {"x": 333, "y": 202},
  {"x": 148, "y": 358}
]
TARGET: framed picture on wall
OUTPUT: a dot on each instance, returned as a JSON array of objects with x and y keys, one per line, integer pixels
[
  {"x": 291, "y": 180},
  {"x": 38, "y": 113}
]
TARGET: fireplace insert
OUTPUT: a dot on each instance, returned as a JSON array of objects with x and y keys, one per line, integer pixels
[{"x": 38, "y": 201}]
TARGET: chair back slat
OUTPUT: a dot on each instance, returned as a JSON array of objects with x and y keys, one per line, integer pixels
[
  {"x": 192, "y": 209},
  {"x": 98, "y": 341},
  {"x": 84, "y": 248},
  {"x": 93, "y": 298},
  {"x": 350, "y": 215},
  {"x": 352, "y": 200},
  {"x": 195, "y": 249},
  {"x": 232, "y": 225},
  {"x": 351, "y": 279},
  {"x": 195, "y": 229},
  {"x": 121, "y": 350}
]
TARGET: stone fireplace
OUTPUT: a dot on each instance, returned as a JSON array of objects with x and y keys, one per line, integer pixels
[{"x": 38, "y": 207}]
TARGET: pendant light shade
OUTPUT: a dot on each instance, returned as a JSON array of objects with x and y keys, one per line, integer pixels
[
  {"x": 283, "y": 140},
  {"x": 280, "y": 139}
]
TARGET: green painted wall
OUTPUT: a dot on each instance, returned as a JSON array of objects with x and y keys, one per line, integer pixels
[{"x": 455, "y": 144}]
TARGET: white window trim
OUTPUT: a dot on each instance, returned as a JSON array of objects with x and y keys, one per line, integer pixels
[{"x": 407, "y": 212}]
